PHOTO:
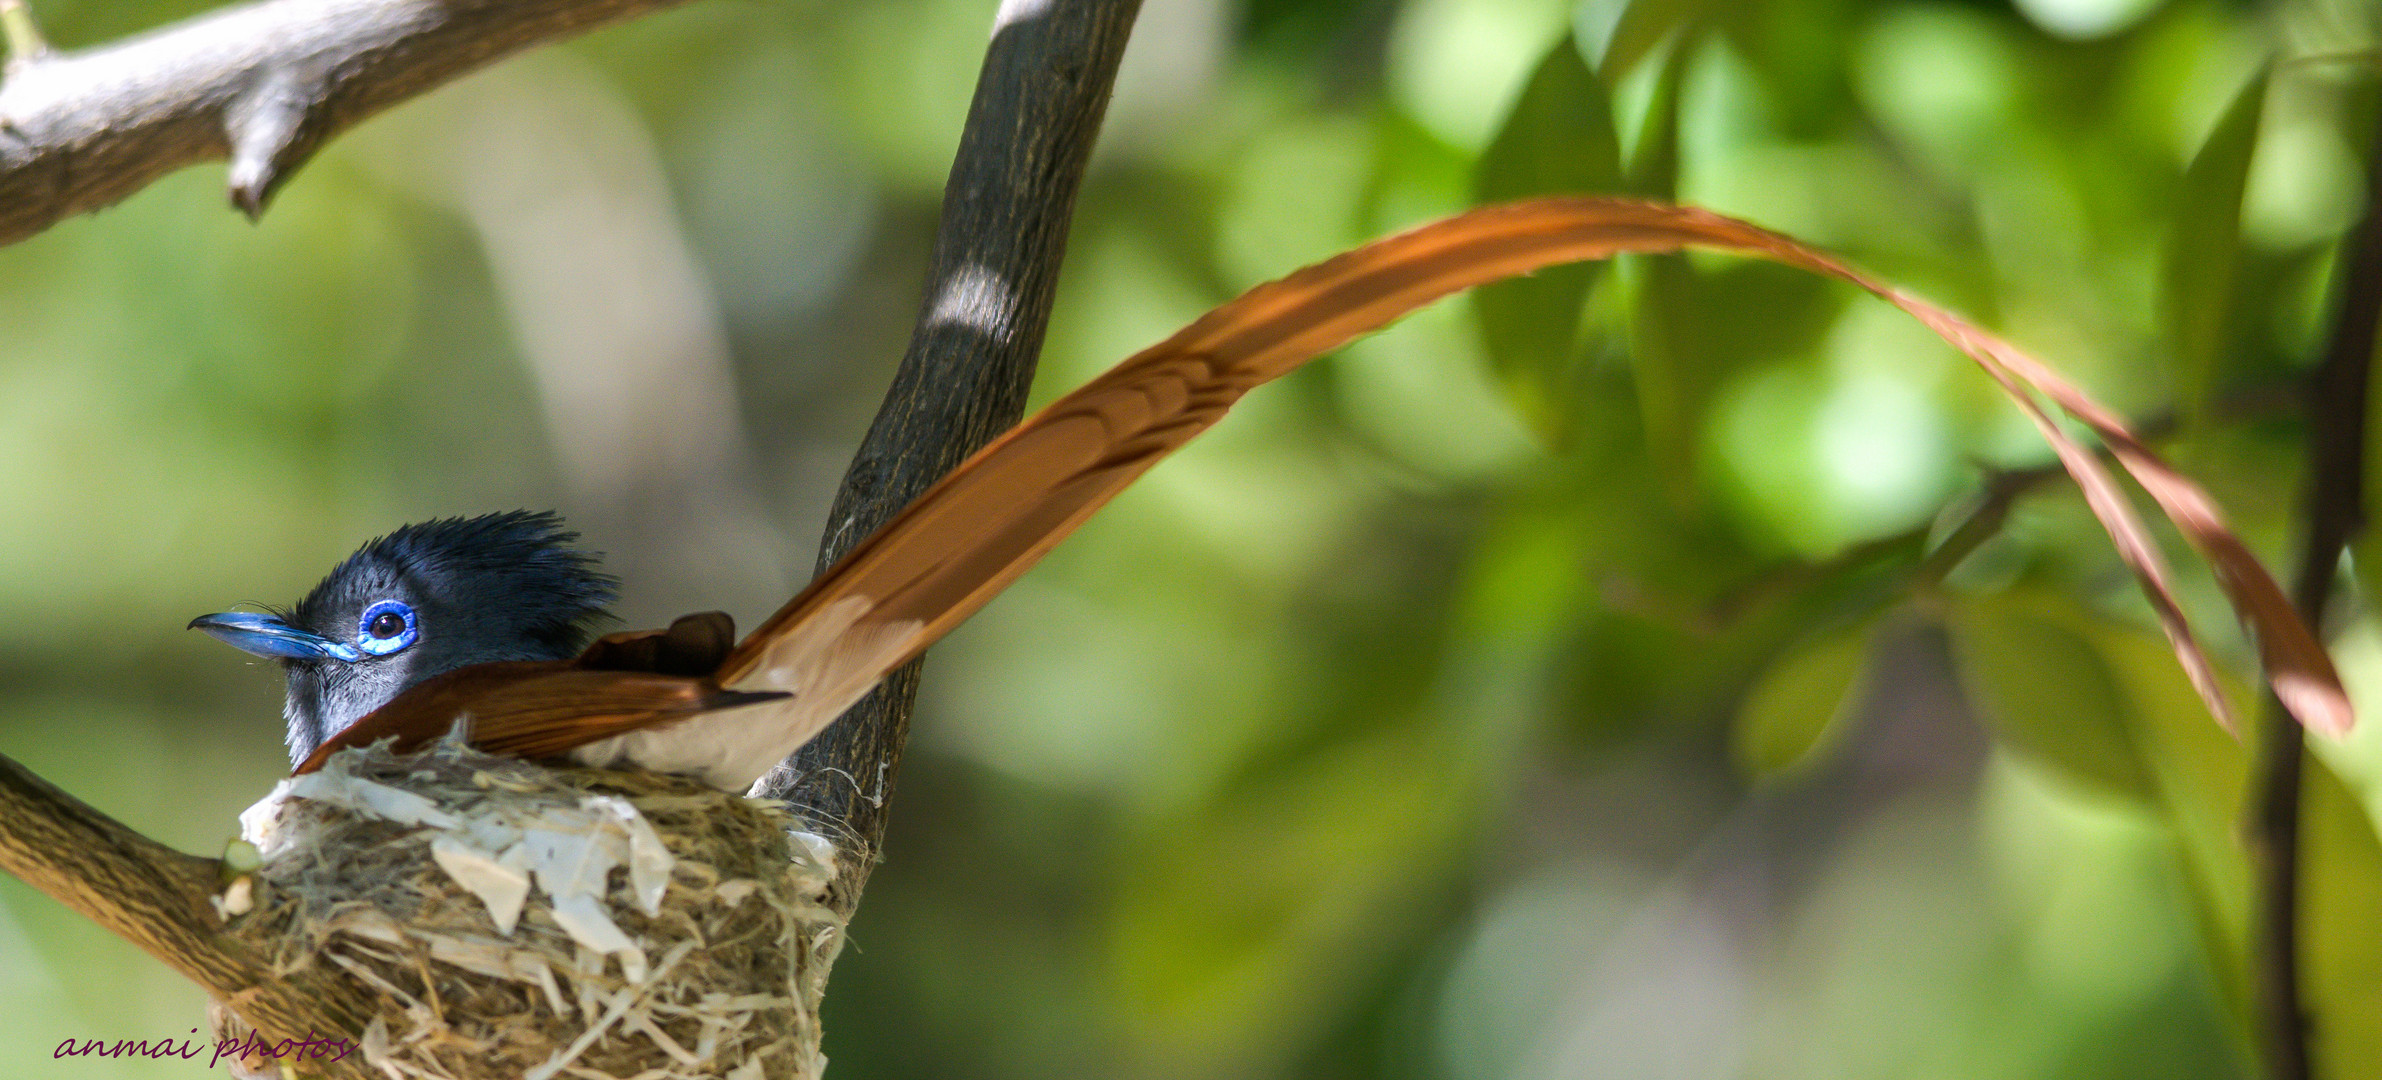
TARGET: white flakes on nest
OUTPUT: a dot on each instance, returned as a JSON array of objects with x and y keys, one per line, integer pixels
[
  {"x": 481, "y": 902},
  {"x": 572, "y": 850}
]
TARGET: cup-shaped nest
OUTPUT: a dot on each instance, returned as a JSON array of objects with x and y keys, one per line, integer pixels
[{"x": 510, "y": 920}]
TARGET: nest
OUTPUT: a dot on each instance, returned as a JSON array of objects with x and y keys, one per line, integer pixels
[{"x": 512, "y": 920}]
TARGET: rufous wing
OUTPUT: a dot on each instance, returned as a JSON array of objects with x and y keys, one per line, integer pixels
[
  {"x": 534, "y": 709},
  {"x": 692, "y": 645}
]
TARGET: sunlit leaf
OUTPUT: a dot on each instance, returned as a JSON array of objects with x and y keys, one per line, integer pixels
[
  {"x": 2341, "y": 928},
  {"x": 2204, "y": 248},
  {"x": 2196, "y": 776},
  {"x": 2200, "y": 775},
  {"x": 1673, "y": 374},
  {"x": 1794, "y": 707},
  {"x": 1559, "y": 138},
  {"x": 1637, "y": 31},
  {"x": 2046, "y": 691},
  {"x": 1675, "y": 371},
  {"x": 2365, "y": 545},
  {"x": 1654, "y": 156}
]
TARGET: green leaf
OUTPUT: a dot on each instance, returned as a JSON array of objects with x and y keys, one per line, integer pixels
[
  {"x": 2045, "y": 690},
  {"x": 2195, "y": 772},
  {"x": 1559, "y": 138},
  {"x": 1619, "y": 40},
  {"x": 1681, "y": 356},
  {"x": 1794, "y": 707},
  {"x": 2200, "y": 774},
  {"x": 1654, "y": 153},
  {"x": 1664, "y": 318},
  {"x": 2341, "y": 927},
  {"x": 1674, "y": 376},
  {"x": 1679, "y": 353},
  {"x": 2204, "y": 250},
  {"x": 1255, "y": 917},
  {"x": 2365, "y": 548}
]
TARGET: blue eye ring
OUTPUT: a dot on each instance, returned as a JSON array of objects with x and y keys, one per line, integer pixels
[{"x": 376, "y": 618}]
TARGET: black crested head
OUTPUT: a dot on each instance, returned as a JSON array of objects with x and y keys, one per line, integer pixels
[
  {"x": 527, "y": 588},
  {"x": 432, "y": 597}
]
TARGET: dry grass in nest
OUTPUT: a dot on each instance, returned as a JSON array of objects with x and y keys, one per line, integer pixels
[{"x": 717, "y": 975}]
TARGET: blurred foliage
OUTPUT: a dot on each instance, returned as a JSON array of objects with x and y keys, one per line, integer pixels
[{"x": 1556, "y": 685}]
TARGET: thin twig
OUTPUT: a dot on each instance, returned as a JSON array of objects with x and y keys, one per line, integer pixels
[
  {"x": 2336, "y": 511},
  {"x": 1039, "y": 101},
  {"x": 1989, "y": 510},
  {"x": 263, "y": 84}
]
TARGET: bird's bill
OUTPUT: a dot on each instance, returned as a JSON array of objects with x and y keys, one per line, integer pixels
[{"x": 271, "y": 638}]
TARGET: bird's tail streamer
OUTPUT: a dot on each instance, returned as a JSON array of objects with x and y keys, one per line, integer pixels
[{"x": 968, "y": 537}]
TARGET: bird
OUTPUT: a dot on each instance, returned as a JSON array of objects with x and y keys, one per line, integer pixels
[
  {"x": 507, "y": 595},
  {"x": 486, "y": 620}
]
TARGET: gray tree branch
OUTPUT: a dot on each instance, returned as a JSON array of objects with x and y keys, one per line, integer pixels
[
  {"x": 1039, "y": 101},
  {"x": 261, "y": 84}
]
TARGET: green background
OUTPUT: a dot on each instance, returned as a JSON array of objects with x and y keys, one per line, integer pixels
[{"x": 1549, "y": 687}]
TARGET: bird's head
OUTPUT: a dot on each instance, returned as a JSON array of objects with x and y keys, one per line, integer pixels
[{"x": 423, "y": 600}]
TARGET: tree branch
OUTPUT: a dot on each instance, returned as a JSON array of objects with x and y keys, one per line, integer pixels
[
  {"x": 2336, "y": 511},
  {"x": 262, "y": 84},
  {"x": 158, "y": 898},
  {"x": 1006, "y": 208}
]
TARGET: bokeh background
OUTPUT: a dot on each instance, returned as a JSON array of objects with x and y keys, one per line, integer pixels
[{"x": 1552, "y": 686}]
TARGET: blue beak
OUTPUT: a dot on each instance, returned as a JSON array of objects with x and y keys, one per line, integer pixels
[{"x": 266, "y": 636}]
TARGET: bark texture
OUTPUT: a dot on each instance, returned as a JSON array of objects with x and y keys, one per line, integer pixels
[
  {"x": 1039, "y": 102},
  {"x": 264, "y": 85}
]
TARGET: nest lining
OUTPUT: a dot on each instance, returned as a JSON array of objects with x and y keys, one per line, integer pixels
[{"x": 660, "y": 930}]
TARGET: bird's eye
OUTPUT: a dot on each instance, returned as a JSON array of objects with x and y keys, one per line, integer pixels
[{"x": 386, "y": 627}]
